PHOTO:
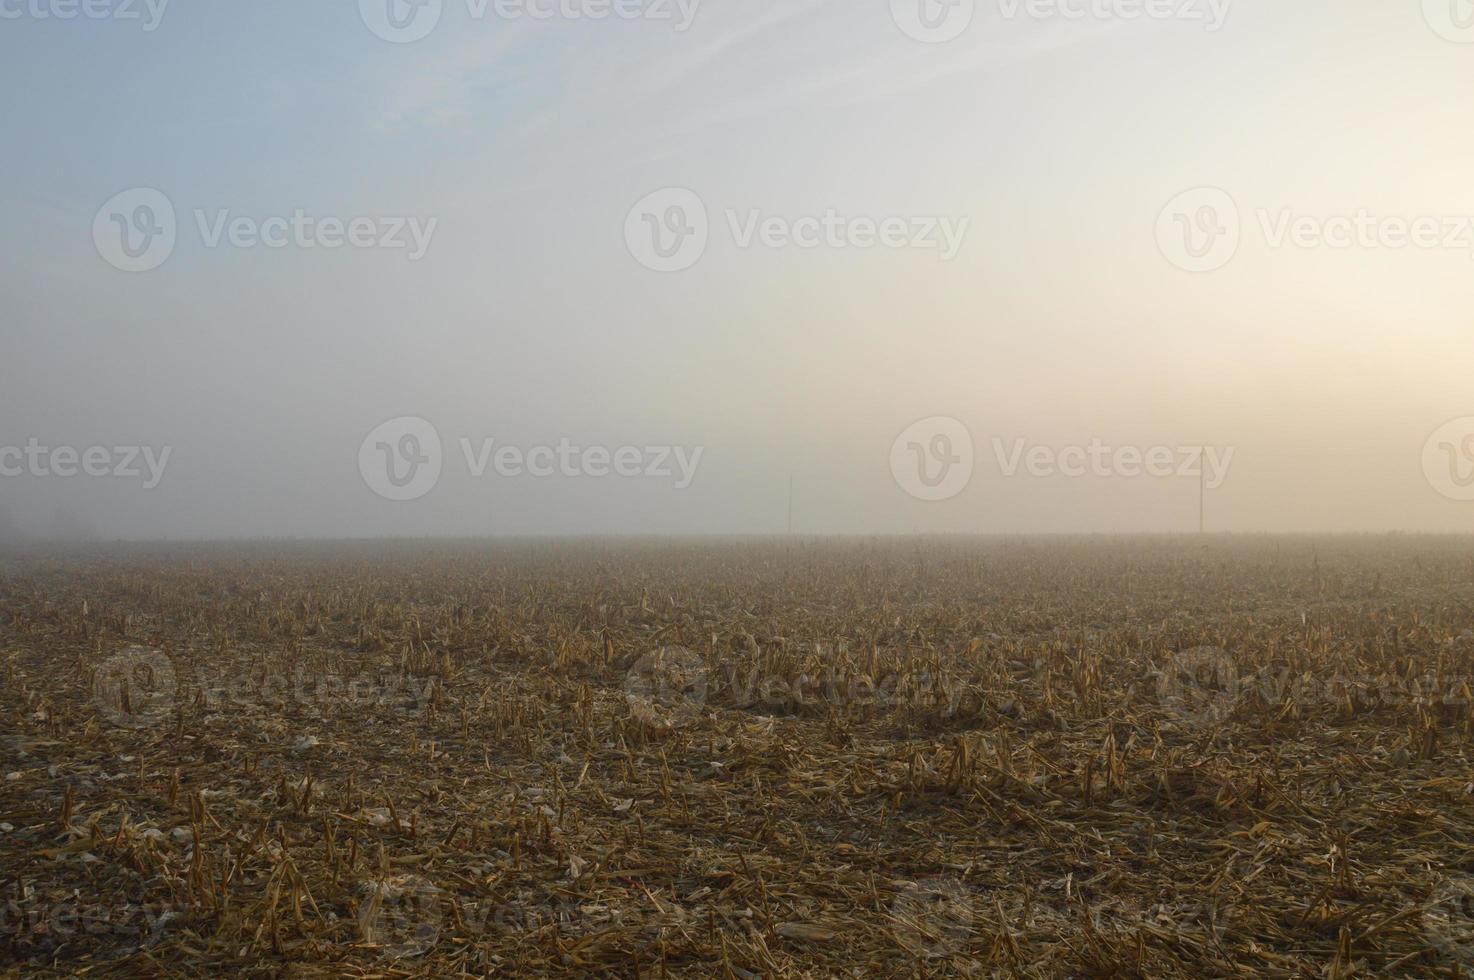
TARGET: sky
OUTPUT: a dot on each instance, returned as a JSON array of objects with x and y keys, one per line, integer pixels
[{"x": 722, "y": 266}]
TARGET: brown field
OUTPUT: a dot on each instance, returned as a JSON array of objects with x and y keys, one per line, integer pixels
[{"x": 1072, "y": 757}]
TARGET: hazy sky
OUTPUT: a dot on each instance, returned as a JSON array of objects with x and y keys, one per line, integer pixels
[{"x": 1053, "y": 142}]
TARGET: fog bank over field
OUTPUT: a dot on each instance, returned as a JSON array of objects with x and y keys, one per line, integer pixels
[{"x": 302, "y": 270}]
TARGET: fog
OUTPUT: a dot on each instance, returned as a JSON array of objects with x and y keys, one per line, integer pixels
[{"x": 293, "y": 270}]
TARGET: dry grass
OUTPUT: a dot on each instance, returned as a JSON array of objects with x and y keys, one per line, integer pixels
[{"x": 1070, "y": 758}]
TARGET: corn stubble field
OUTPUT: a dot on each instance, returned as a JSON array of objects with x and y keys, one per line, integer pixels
[{"x": 1093, "y": 757}]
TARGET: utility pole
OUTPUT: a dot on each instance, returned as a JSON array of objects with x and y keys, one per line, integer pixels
[
  {"x": 1202, "y": 495},
  {"x": 790, "y": 505}
]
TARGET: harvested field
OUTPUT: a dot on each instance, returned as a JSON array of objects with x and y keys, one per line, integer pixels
[{"x": 1033, "y": 758}]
